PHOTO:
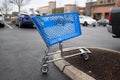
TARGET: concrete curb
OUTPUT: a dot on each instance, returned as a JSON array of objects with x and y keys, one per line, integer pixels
[{"x": 71, "y": 71}]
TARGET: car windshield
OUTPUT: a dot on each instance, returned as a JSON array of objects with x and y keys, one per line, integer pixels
[
  {"x": 103, "y": 20},
  {"x": 88, "y": 17}
]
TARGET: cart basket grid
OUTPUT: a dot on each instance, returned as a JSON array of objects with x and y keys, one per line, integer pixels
[{"x": 57, "y": 28}]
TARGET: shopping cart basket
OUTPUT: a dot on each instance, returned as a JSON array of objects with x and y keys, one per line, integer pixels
[{"x": 56, "y": 29}]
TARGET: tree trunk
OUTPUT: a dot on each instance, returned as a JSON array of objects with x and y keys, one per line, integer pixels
[{"x": 18, "y": 9}]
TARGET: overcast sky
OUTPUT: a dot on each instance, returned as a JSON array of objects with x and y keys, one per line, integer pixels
[{"x": 39, "y": 3}]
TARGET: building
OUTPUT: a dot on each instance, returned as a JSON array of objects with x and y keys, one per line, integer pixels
[
  {"x": 81, "y": 10},
  {"x": 88, "y": 8},
  {"x": 45, "y": 10},
  {"x": 117, "y": 3},
  {"x": 101, "y": 9},
  {"x": 70, "y": 8},
  {"x": 14, "y": 14},
  {"x": 52, "y": 5}
]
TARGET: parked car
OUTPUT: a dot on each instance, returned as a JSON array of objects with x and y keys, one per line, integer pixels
[
  {"x": 13, "y": 19},
  {"x": 109, "y": 28},
  {"x": 114, "y": 19},
  {"x": 85, "y": 21},
  {"x": 2, "y": 21},
  {"x": 103, "y": 22},
  {"x": 24, "y": 19}
]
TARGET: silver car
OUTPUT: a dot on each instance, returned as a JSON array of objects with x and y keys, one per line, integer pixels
[
  {"x": 85, "y": 21},
  {"x": 2, "y": 21}
]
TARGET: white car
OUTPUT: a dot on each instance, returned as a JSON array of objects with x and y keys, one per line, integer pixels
[
  {"x": 85, "y": 21},
  {"x": 2, "y": 21}
]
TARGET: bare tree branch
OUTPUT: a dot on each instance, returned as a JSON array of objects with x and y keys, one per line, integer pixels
[
  {"x": 6, "y": 7},
  {"x": 20, "y": 3}
]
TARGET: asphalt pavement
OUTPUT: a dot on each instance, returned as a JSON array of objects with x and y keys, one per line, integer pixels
[
  {"x": 21, "y": 53},
  {"x": 22, "y": 50}
]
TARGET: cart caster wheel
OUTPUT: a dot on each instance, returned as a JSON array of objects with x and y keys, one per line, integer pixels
[
  {"x": 44, "y": 69},
  {"x": 85, "y": 56}
]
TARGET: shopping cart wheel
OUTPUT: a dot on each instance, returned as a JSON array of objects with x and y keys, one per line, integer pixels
[
  {"x": 44, "y": 69},
  {"x": 85, "y": 56}
]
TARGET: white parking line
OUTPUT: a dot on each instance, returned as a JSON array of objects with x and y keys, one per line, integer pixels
[{"x": 9, "y": 26}]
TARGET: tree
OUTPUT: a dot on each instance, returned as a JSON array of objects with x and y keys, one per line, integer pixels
[
  {"x": 20, "y": 3},
  {"x": 6, "y": 7}
]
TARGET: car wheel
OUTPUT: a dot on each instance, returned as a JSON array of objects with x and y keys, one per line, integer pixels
[
  {"x": 104, "y": 25},
  {"x": 98, "y": 24},
  {"x": 16, "y": 24},
  {"x": 94, "y": 25},
  {"x": 3, "y": 25},
  {"x": 85, "y": 24}
]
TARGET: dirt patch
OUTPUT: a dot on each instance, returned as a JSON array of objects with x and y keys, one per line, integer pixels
[{"x": 102, "y": 64}]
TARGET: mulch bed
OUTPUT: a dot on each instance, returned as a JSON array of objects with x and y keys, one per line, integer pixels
[{"x": 102, "y": 64}]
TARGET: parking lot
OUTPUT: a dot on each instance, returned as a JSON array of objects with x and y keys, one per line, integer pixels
[{"x": 22, "y": 49}]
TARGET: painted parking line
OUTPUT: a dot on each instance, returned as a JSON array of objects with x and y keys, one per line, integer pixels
[{"x": 9, "y": 26}]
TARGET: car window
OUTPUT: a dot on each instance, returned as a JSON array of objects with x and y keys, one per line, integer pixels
[
  {"x": 81, "y": 17},
  {"x": 105, "y": 20},
  {"x": 88, "y": 17},
  {"x": 21, "y": 15},
  {"x": 102, "y": 20}
]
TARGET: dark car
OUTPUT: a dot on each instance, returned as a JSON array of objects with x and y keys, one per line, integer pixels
[
  {"x": 103, "y": 22},
  {"x": 114, "y": 19},
  {"x": 24, "y": 20}
]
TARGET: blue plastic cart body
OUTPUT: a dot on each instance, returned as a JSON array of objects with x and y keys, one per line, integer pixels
[{"x": 58, "y": 27}]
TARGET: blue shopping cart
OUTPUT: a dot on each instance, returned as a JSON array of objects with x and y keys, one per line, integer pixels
[{"x": 56, "y": 29}]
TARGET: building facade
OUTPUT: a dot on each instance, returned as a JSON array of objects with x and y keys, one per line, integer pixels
[
  {"x": 70, "y": 8},
  {"x": 81, "y": 10},
  {"x": 52, "y": 5},
  {"x": 88, "y": 8},
  {"x": 45, "y": 10},
  {"x": 101, "y": 9},
  {"x": 117, "y": 3}
]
